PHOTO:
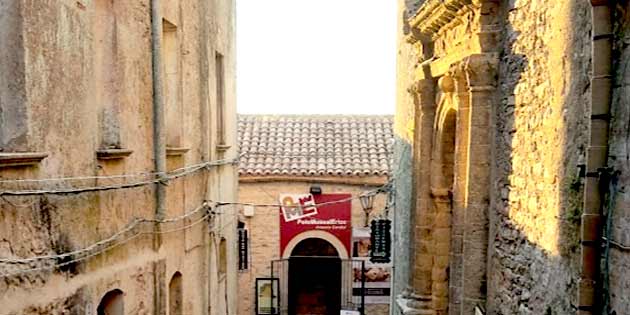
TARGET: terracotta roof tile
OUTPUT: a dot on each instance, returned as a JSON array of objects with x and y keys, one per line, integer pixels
[{"x": 315, "y": 145}]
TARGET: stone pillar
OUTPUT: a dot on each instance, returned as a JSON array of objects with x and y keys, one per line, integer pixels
[
  {"x": 481, "y": 76},
  {"x": 442, "y": 246},
  {"x": 422, "y": 212},
  {"x": 459, "y": 192}
]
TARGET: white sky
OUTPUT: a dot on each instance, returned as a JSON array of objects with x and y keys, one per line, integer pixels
[{"x": 316, "y": 56}]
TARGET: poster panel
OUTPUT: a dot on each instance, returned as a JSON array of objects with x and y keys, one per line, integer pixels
[
  {"x": 267, "y": 296},
  {"x": 377, "y": 275}
]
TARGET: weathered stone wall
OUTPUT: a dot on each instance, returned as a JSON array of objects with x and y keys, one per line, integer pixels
[
  {"x": 13, "y": 134},
  {"x": 50, "y": 55},
  {"x": 619, "y": 157},
  {"x": 402, "y": 165},
  {"x": 264, "y": 231},
  {"x": 541, "y": 120}
]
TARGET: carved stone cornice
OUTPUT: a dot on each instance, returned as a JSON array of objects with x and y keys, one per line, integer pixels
[
  {"x": 13, "y": 159},
  {"x": 441, "y": 19},
  {"x": 113, "y": 154},
  {"x": 435, "y": 14}
]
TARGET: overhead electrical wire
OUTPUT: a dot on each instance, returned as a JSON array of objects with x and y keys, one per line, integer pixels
[
  {"x": 118, "y": 238},
  {"x": 162, "y": 178},
  {"x": 104, "y": 249},
  {"x": 70, "y": 178},
  {"x": 252, "y": 154},
  {"x": 128, "y": 228}
]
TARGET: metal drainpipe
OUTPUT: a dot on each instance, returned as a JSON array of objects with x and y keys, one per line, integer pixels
[
  {"x": 596, "y": 156},
  {"x": 159, "y": 140}
]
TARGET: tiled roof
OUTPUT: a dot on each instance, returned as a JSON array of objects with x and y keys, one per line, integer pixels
[{"x": 315, "y": 146}]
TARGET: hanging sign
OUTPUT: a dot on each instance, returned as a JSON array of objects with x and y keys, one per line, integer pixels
[
  {"x": 243, "y": 249},
  {"x": 380, "y": 240},
  {"x": 297, "y": 206}
]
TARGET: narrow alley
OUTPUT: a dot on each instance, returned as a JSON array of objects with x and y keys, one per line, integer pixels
[{"x": 287, "y": 157}]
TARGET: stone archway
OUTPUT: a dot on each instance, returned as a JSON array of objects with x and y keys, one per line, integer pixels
[
  {"x": 111, "y": 304},
  {"x": 453, "y": 188},
  {"x": 328, "y": 237}
]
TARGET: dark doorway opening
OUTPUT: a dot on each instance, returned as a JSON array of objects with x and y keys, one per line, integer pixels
[{"x": 314, "y": 279}]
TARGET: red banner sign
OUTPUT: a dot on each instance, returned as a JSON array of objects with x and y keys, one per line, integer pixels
[{"x": 334, "y": 218}]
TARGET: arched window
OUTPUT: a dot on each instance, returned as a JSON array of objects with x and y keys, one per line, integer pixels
[
  {"x": 111, "y": 304},
  {"x": 175, "y": 295}
]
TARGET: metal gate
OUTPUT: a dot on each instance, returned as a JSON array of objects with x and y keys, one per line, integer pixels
[{"x": 351, "y": 281}]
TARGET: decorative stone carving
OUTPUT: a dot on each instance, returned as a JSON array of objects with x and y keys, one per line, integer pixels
[{"x": 481, "y": 71}]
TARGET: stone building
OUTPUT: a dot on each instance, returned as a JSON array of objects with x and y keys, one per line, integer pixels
[
  {"x": 511, "y": 132},
  {"x": 289, "y": 155},
  {"x": 111, "y": 113}
]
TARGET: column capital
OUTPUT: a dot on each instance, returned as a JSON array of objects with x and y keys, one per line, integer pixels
[
  {"x": 423, "y": 92},
  {"x": 481, "y": 71}
]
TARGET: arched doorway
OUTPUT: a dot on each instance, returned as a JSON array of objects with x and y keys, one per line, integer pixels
[
  {"x": 111, "y": 304},
  {"x": 175, "y": 295},
  {"x": 314, "y": 278}
]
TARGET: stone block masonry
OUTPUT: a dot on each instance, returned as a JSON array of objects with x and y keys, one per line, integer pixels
[{"x": 523, "y": 118}]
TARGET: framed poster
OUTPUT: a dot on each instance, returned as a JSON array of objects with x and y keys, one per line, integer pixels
[
  {"x": 267, "y": 296},
  {"x": 377, "y": 275}
]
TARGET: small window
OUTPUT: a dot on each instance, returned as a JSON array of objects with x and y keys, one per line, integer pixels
[
  {"x": 172, "y": 85},
  {"x": 219, "y": 64},
  {"x": 105, "y": 74}
]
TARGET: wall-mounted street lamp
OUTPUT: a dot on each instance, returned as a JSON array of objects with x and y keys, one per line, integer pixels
[
  {"x": 316, "y": 190},
  {"x": 367, "y": 202}
]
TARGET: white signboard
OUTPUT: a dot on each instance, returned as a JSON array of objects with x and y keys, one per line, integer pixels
[
  {"x": 297, "y": 206},
  {"x": 346, "y": 312}
]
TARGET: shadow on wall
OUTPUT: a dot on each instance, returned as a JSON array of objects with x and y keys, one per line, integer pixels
[
  {"x": 541, "y": 127},
  {"x": 619, "y": 159}
]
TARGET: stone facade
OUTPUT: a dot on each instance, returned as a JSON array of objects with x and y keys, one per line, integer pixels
[
  {"x": 286, "y": 154},
  {"x": 503, "y": 94},
  {"x": 264, "y": 229},
  {"x": 76, "y": 100}
]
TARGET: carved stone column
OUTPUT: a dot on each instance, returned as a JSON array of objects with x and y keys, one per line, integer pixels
[
  {"x": 480, "y": 72},
  {"x": 461, "y": 98},
  {"x": 417, "y": 298}
]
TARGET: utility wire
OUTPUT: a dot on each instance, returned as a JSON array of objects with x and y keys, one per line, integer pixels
[
  {"x": 161, "y": 179},
  {"x": 128, "y": 228},
  {"x": 253, "y": 154},
  {"x": 109, "y": 247},
  {"x": 133, "y": 175},
  {"x": 107, "y": 243}
]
